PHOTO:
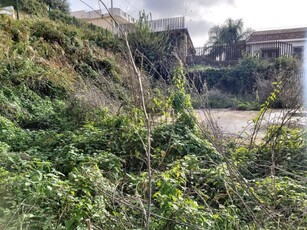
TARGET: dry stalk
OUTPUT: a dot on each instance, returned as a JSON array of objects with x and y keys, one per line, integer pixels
[
  {"x": 88, "y": 222},
  {"x": 147, "y": 119},
  {"x": 148, "y": 123}
]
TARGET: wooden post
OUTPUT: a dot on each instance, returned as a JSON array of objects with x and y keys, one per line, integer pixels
[
  {"x": 17, "y": 9},
  {"x": 113, "y": 23}
]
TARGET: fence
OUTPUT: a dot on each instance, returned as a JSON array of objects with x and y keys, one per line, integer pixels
[
  {"x": 159, "y": 25},
  {"x": 232, "y": 53},
  {"x": 270, "y": 49},
  {"x": 167, "y": 24},
  {"x": 222, "y": 52}
]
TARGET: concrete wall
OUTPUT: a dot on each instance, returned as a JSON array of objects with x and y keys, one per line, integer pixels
[
  {"x": 103, "y": 19},
  {"x": 8, "y": 10},
  {"x": 105, "y": 23}
]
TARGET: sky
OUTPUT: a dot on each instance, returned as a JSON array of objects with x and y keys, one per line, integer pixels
[{"x": 201, "y": 15}]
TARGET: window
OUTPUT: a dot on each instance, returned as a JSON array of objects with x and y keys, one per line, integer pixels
[
  {"x": 270, "y": 53},
  {"x": 298, "y": 51}
]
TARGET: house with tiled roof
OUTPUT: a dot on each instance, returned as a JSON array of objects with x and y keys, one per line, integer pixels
[{"x": 276, "y": 43}]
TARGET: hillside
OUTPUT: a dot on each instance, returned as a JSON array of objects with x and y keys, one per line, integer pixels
[
  {"x": 79, "y": 150},
  {"x": 53, "y": 60}
]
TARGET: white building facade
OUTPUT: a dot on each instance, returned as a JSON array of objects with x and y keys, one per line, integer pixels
[
  {"x": 276, "y": 43},
  {"x": 103, "y": 19}
]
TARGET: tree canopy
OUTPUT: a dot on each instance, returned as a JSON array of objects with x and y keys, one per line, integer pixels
[
  {"x": 231, "y": 32},
  {"x": 62, "y": 5}
]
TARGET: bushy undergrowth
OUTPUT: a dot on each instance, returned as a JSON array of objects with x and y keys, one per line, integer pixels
[
  {"x": 67, "y": 162},
  {"x": 54, "y": 59},
  {"x": 247, "y": 85},
  {"x": 31, "y": 7},
  {"x": 96, "y": 173}
]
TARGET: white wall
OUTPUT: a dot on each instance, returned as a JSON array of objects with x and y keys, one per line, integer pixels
[
  {"x": 255, "y": 48},
  {"x": 104, "y": 20},
  {"x": 9, "y": 10}
]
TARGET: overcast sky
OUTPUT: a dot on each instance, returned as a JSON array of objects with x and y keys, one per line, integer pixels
[{"x": 201, "y": 15}]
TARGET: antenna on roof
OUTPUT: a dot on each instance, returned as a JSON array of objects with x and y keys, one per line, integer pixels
[{"x": 111, "y": 18}]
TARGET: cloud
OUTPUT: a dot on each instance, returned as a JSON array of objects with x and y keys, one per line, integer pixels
[
  {"x": 199, "y": 29},
  {"x": 196, "y": 12},
  {"x": 170, "y": 8},
  {"x": 200, "y": 15}
]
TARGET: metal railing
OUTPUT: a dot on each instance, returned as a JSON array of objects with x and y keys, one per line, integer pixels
[
  {"x": 234, "y": 52},
  {"x": 270, "y": 49},
  {"x": 167, "y": 24},
  {"x": 158, "y": 25},
  {"x": 222, "y": 52}
]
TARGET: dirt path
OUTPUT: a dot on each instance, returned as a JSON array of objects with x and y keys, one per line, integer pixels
[{"x": 234, "y": 122}]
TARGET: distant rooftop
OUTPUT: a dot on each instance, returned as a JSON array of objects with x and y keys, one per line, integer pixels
[{"x": 278, "y": 34}]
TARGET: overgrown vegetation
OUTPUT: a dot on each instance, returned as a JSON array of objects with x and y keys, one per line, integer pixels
[
  {"x": 154, "y": 51},
  {"x": 248, "y": 84},
  {"x": 38, "y": 7},
  {"x": 73, "y": 142}
]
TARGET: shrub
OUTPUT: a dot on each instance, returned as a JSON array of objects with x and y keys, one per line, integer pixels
[
  {"x": 217, "y": 99},
  {"x": 47, "y": 30},
  {"x": 252, "y": 76}
]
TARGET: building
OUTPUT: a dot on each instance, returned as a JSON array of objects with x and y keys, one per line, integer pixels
[
  {"x": 8, "y": 10},
  {"x": 103, "y": 19},
  {"x": 181, "y": 42},
  {"x": 176, "y": 32},
  {"x": 267, "y": 44},
  {"x": 276, "y": 43}
]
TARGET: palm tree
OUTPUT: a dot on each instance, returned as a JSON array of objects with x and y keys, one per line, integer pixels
[{"x": 230, "y": 33}]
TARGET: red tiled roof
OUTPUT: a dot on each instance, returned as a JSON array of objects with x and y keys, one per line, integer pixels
[{"x": 278, "y": 35}]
